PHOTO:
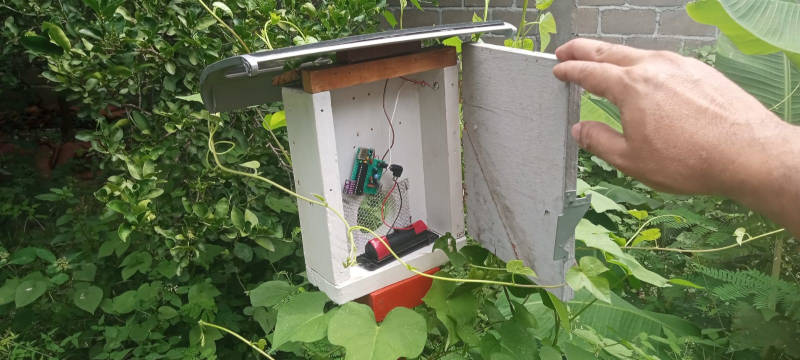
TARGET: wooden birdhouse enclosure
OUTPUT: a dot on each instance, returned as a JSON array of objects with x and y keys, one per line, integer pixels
[{"x": 387, "y": 103}]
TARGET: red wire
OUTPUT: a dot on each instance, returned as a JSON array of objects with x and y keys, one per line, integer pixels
[{"x": 383, "y": 206}]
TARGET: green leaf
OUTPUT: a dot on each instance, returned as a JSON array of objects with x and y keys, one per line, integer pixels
[
  {"x": 88, "y": 298},
  {"x": 590, "y": 111},
  {"x": 40, "y": 44},
  {"x": 265, "y": 243},
  {"x": 221, "y": 5},
  {"x": 402, "y": 334},
  {"x": 639, "y": 214},
  {"x": 57, "y": 35},
  {"x": 192, "y": 97},
  {"x": 755, "y": 26},
  {"x": 686, "y": 283},
  {"x": 543, "y": 4},
  {"x": 277, "y": 120},
  {"x": 651, "y": 234},
  {"x": 141, "y": 122},
  {"x": 549, "y": 353},
  {"x": 555, "y": 304},
  {"x": 124, "y": 303},
  {"x": 8, "y": 290},
  {"x": 270, "y": 293},
  {"x": 237, "y": 218},
  {"x": 448, "y": 245},
  {"x": 251, "y": 164},
  {"x": 85, "y": 272},
  {"x": 23, "y": 256},
  {"x": 455, "y": 305},
  {"x": 626, "y": 320},
  {"x": 202, "y": 294},
  {"x": 250, "y": 218},
  {"x": 170, "y": 67},
  {"x": 762, "y": 76},
  {"x": 30, "y": 288},
  {"x": 390, "y": 18},
  {"x": 454, "y": 41},
  {"x": 243, "y": 251},
  {"x": 301, "y": 319},
  {"x": 586, "y": 276},
  {"x": 59, "y": 278},
  {"x": 519, "y": 268},
  {"x": 45, "y": 255},
  {"x": 601, "y": 203},
  {"x": 547, "y": 26},
  {"x": 417, "y": 5},
  {"x": 739, "y": 234},
  {"x": 166, "y": 313},
  {"x": 124, "y": 231},
  {"x": 138, "y": 261},
  {"x": 597, "y": 237}
]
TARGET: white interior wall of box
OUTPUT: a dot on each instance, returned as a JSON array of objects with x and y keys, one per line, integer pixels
[{"x": 326, "y": 128}]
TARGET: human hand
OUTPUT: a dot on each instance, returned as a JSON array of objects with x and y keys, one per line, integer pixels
[{"x": 686, "y": 127}]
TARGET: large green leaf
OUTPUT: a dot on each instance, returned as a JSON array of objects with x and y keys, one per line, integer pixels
[
  {"x": 401, "y": 334},
  {"x": 760, "y": 75},
  {"x": 601, "y": 110},
  {"x": 270, "y": 293},
  {"x": 618, "y": 318},
  {"x": 301, "y": 319},
  {"x": 31, "y": 288},
  {"x": 88, "y": 298},
  {"x": 455, "y": 306},
  {"x": 586, "y": 275},
  {"x": 597, "y": 237},
  {"x": 755, "y": 26}
]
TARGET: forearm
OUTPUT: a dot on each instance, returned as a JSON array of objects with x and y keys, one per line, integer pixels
[{"x": 768, "y": 179}]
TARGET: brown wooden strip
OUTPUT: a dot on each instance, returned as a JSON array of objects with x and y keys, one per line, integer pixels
[
  {"x": 318, "y": 80},
  {"x": 377, "y": 52}
]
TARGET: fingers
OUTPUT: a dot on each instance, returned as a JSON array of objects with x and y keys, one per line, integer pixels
[
  {"x": 599, "y": 51},
  {"x": 601, "y": 140},
  {"x": 601, "y": 79}
]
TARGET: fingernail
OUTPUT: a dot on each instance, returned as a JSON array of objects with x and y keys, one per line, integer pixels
[{"x": 576, "y": 132}]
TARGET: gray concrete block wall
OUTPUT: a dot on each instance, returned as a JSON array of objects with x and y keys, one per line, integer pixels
[
  {"x": 648, "y": 24},
  {"x": 459, "y": 11}
]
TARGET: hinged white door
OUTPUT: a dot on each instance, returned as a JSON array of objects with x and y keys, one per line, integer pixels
[{"x": 520, "y": 162}]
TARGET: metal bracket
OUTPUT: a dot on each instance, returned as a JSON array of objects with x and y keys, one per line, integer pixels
[{"x": 574, "y": 209}]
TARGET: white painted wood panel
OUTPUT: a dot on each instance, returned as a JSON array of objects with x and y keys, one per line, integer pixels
[
  {"x": 309, "y": 121},
  {"x": 515, "y": 155}
]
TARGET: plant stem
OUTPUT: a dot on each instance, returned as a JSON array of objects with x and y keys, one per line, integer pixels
[
  {"x": 523, "y": 21},
  {"x": 628, "y": 243},
  {"x": 486, "y": 267},
  {"x": 225, "y": 25},
  {"x": 693, "y": 251},
  {"x": 215, "y": 326}
]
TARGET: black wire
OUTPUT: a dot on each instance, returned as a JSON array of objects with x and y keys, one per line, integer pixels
[{"x": 400, "y": 194}]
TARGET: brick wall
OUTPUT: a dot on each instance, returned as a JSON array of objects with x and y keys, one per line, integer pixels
[{"x": 650, "y": 24}]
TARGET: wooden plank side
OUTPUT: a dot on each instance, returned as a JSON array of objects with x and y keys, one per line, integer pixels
[
  {"x": 318, "y": 80},
  {"x": 515, "y": 155},
  {"x": 315, "y": 167},
  {"x": 441, "y": 152}
]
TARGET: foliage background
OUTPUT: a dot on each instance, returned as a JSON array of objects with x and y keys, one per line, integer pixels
[{"x": 123, "y": 263}]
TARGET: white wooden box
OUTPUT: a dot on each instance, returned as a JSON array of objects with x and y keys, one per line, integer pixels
[{"x": 519, "y": 163}]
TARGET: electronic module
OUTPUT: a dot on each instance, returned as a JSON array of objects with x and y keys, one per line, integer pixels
[{"x": 367, "y": 173}]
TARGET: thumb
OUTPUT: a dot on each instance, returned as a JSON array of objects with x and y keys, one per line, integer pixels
[{"x": 601, "y": 140}]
